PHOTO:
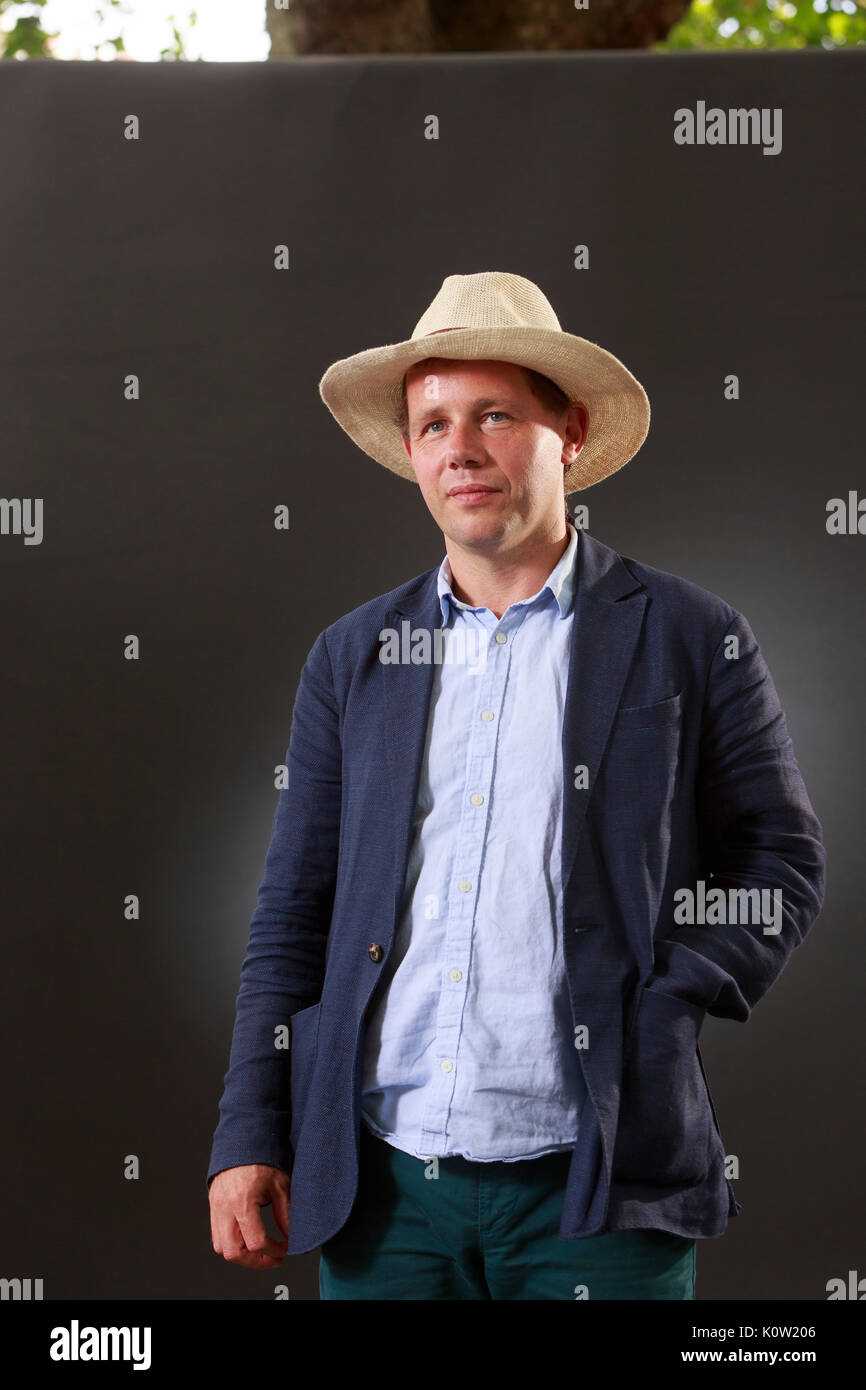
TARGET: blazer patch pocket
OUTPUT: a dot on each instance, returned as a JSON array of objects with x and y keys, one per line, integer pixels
[
  {"x": 638, "y": 782},
  {"x": 303, "y": 1041},
  {"x": 665, "y": 1131},
  {"x": 650, "y": 716}
]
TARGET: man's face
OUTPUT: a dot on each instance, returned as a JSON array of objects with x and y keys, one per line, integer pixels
[{"x": 488, "y": 456}]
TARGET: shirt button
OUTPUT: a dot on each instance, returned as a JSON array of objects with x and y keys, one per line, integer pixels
[
  {"x": 476, "y": 798},
  {"x": 375, "y": 952},
  {"x": 464, "y": 885},
  {"x": 456, "y": 974},
  {"x": 487, "y": 715},
  {"x": 500, "y": 637},
  {"x": 446, "y": 1066}
]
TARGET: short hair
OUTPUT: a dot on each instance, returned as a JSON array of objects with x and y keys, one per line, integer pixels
[{"x": 552, "y": 397}]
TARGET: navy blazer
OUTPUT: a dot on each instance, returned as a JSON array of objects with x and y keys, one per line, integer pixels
[{"x": 690, "y": 773}]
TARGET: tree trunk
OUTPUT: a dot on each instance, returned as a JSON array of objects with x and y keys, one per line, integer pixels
[{"x": 466, "y": 26}]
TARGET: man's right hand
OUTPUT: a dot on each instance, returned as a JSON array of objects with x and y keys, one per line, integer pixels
[{"x": 237, "y": 1230}]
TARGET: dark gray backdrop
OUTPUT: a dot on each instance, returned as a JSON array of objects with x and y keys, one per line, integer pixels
[{"x": 155, "y": 777}]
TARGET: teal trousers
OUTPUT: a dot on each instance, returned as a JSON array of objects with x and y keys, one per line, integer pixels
[{"x": 421, "y": 1229}]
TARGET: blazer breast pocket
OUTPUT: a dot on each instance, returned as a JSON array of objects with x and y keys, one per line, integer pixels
[
  {"x": 665, "y": 1132},
  {"x": 303, "y": 1043},
  {"x": 653, "y": 716},
  {"x": 638, "y": 779}
]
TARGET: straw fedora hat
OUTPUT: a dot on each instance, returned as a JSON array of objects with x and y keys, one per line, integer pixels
[{"x": 504, "y": 317}]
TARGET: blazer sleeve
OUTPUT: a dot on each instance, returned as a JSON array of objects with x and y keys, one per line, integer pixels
[
  {"x": 284, "y": 966},
  {"x": 756, "y": 828}
]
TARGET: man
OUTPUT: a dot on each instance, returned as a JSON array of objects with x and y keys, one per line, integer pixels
[{"x": 535, "y": 797}]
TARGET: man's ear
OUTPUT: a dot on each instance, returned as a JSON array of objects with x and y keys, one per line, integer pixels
[
  {"x": 583, "y": 417},
  {"x": 406, "y": 446}
]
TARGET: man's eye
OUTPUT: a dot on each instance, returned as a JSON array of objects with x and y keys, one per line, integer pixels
[{"x": 430, "y": 423}]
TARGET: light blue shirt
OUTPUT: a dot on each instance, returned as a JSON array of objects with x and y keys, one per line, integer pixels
[{"x": 470, "y": 1049}]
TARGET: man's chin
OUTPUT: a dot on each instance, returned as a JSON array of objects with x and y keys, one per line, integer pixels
[{"x": 476, "y": 530}]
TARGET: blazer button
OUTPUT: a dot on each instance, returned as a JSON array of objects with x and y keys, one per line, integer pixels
[{"x": 375, "y": 952}]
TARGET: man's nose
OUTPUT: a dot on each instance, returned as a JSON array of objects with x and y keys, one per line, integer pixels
[{"x": 465, "y": 444}]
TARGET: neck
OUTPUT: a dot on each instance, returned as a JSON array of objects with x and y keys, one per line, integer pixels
[{"x": 496, "y": 579}]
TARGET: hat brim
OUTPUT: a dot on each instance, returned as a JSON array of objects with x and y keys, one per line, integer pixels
[{"x": 363, "y": 392}]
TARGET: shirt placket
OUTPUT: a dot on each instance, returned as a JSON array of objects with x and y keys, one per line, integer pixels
[{"x": 484, "y": 695}]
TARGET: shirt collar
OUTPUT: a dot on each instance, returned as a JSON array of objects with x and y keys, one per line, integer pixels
[{"x": 561, "y": 582}]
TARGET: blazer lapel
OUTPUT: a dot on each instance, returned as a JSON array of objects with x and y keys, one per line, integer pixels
[
  {"x": 608, "y": 613},
  {"x": 407, "y": 703}
]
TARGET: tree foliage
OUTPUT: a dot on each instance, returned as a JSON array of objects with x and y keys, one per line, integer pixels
[
  {"x": 757, "y": 24},
  {"x": 22, "y": 34}
]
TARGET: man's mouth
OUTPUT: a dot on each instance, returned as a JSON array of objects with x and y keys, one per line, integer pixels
[{"x": 468, "y": 493}]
